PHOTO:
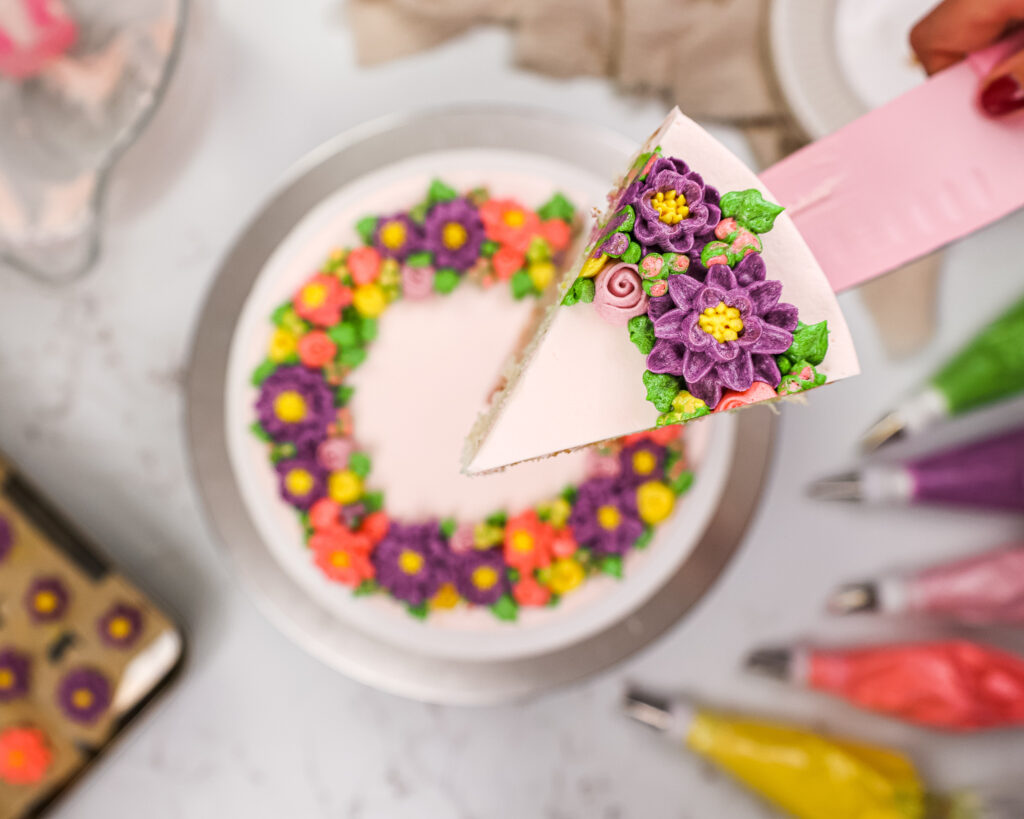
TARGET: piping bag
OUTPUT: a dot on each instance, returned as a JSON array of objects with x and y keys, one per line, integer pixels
[
  {"x": 954, "y": 685},
  {"x": 986, "y": 589},
  {"x": 808, "y": 776}
]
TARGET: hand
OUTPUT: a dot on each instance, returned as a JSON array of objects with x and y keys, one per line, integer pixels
[{"x": 958, "y": 27}]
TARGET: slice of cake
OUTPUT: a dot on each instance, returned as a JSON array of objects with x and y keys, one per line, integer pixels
[{"x": 696, "y": 294}]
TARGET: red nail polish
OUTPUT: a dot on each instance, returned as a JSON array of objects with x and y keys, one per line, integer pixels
[{"x": 1003, "y": 96}]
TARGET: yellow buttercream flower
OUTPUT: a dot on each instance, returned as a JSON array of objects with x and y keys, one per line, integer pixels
[
  {"x": 344, "y": 486},
  {"x": 564, "y": 575},
  {"x": 542, "y": 274},
  {"x": 446, "y": 598},
  {"x": 485, "y": 536},
  {"x": 283, "y": 345},
  {"x": 369, "y": 300},
  {"x": 557, "y": 512},
  {"x": 686, "y": 403},
  {"x": 654, "y": 501}
]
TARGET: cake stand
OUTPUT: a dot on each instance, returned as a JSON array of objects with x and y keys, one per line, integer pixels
[{"x": 520, "y": 664}]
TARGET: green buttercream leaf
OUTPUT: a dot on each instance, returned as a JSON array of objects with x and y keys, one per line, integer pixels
[
  {"x": 585, "y": 290},
  {"x": 352, "y": 357},
  {"x": 367, "y": 329},
  {"x": 569, "y": 494},
  {"x": 557, "y": 207},
  {"x": 366, "y": 587},
  {"x": 751, "y": 210},
  {"x": 440, "y": 192},
  {"x": 801, "y": 377},
  {"x": 514, "y": 575},
  {"x": 280, "y": 452},
  {"x": 570, "y": 298},
  {"x": 263, "y": 372},
  {"x": 785, "y": 365},
  {"x": 489, "y": 248},
  {"x": 343, "y": 395},
  {"x": 448, "y": 526},
  {"x": 682, "y": 483},
  {"x": 360, "y": 463},
  {"x": 506, "y": 608},
  {"x": 521, "y": 284},
  {"x": 256, "y": 428},
  {"x": 641, "y": 333},
  {"x": 419, "y": 612},
  {"x": 418, "y": 213},
  {"x": 810, "y": 343},
  {"x": 373, "y": 501},
  {"x": 279, "y": 314},
  {"x": 554, "y": 600},
  {"x": 632, "y": 254},
  {"x": 422, "y": 258},
  {"x": 498, "y": 518},
  {"x": 365, "y": 227},
  {"x": 612, "y": 564},
  {"x": 344, "y": 334},
  {"x": 661, "y": 389},
  {"x": 446, "y": 280},
  {"x": 644, "y": 540}
]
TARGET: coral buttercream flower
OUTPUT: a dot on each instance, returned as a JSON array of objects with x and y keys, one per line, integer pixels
[
  {"x": 759, "y": 391},
  {"x": 507, "y": 262},
  {"x": 528, "y": 542},
  {"x": 343, "y": 556},
  {"x": 528, "y": 592},
  {"x": 509, "y": 223},
  {"x": 397, "y": 236},
  {"x": 557, "y": 234},
  {"x": 316, "y": 349},
  {"x": 564, "y": 543},
  {"x": 724, "y": 333},
  {"x": 619, "y": 294},
  {"x": 325, "y": 515},
  {"x": 25, "y": 755},
  {"x": 375, "y": 526},
  {"x": 364, "y": 264},
  {"x": 321, "y": 300},
  {"x": 662, "y": 436},
  {"x": 417, "y": 282},
  {"x": 454, "y": 233}
]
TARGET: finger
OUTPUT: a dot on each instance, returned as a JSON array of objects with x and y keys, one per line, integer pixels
[
  {"x": 957, "y": 27},
  {"x": 1003, "y": 92}
]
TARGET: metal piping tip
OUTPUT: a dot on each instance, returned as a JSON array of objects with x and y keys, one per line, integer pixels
[
  {"x": 891, "y": 428},
  {"x": 653, "y": 711},
  {"x": 776, "y": 663},
  {"x": 854, "y": 598},
  {"x": 845, "y": 487}
]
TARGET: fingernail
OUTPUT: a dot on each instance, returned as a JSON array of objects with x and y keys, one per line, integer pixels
[{"x": 1003, "y": 96}]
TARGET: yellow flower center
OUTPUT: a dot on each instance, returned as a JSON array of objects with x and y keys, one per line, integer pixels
[
  {"x": 46, "y": 602},
  {"x": 313, "y": 295},
  {"x": 341, "y": 560},
  {"x": 514, "y": 218},
  {"x": 299, "y": 482},
  {"x": 671, "y": 206},
  {"x": 392, "y": 235},
  {"x": 522, "y": 541},
  {"x": 6, "y": 678},
  {"x": 644, "y": 462},
  {"x": 484, "y": 577},
  {"x": 410, "y": 562},
  {"x": 721, "y": 322},
  {"x": 344, "y": 487},
  {"x": 119, "y": 628},
  {"x": 446, "y": 598},
  {"x": 290, "y": 407},
  {"x": 566, "y": 575},
  {"x": 454, "y": 235},
  {"x": 81, "y": 698},
  {"x": 654, "y": 501},
  {"x": 608, "y": 517}
]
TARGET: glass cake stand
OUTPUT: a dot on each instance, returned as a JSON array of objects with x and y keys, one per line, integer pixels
[{"x": 576, "y": 645}]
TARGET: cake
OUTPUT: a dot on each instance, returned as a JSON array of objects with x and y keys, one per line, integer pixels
[
  {"x": 695, "y": 295},
  {"x": 339, "y": 377}
]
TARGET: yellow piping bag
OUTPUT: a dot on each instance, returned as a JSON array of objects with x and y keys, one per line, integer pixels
[{"x": 805, "y": 775}]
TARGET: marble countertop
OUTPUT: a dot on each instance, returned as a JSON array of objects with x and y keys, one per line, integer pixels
[{"x": 91, "y": 379}]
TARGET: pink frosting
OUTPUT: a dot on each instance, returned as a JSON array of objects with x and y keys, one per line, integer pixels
[
  {"x": 759, "y": 391},
  {"x": 333, "y": 453},
  {"x": 619, "y": 294},
  {"x": 417, "y": 282}
]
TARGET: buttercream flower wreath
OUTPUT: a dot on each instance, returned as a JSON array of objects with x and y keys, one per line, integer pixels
[
  {"x": 681, "y": 267},
  {"x": 530, "y": 557}
]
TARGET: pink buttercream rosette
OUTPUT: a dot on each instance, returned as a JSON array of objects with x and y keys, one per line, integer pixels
[{"x": 619, "y": 294}]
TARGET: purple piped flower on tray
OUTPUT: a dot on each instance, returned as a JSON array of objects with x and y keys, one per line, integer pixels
[
  {"x": 412, "y": 561},
  {"x": 480, "y": 576},
  {"x": 724, "y": 333},
  {"x": 674, "y": 208},
  {"x": 15, "y": 667},
  {"x": 120, "y": 626},
  {"x": 454, "y": 233},
  {"x": 84, "y": 694},
  {"x": 604, "y": 517},
  {"x": 6, "y": 538},
  {"x": 47, "y": 599},
  {"x": 295, "y": 404},
  {"x": 397, "y": 236},
  {"x": 301, "y": 481}
]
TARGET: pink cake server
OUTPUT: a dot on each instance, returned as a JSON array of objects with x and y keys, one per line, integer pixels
[
  {"x": 32, "y": 34},
  {"x": 907, "y": 178}
]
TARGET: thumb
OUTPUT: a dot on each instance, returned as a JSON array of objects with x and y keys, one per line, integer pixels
[{"x": 1003, "y": 92}]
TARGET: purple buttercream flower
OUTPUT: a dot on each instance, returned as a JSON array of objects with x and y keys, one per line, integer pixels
[
  {"x": 15, "y": 667},
  {"x": 604, "y": 516},
  {"x": 47, "y": 599},
  {"x": 120, "y": 626},
  {"x": 6, "y": 538},
  {"x": 296, "y": 404},
  {"x": 674, "y": 208},
  {"x": 412, "y": 561},
  {"x": 481, "y": 576},
  {"x": 397, "y": 236},
  {"x": 454, "y": 233},
  {"x": 301, "y": 481},
  {"x": 84, "y": 694},
  {"x": 641, "y": 461},
  {"x": 723, "y": 333}
]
